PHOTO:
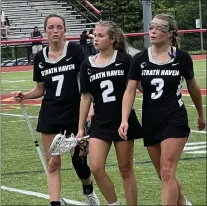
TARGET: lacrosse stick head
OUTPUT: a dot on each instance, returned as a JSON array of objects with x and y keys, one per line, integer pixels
[{"x": 63, "y": 144}]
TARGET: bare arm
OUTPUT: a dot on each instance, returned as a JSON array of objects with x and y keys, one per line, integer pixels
[
  {"x": 84, "y": 109},
  {"x": 139, "y": 86},
  {"x": 91, "y": 112},
  {"x": 128, "y": 99},
  {"x": 195, "y": 93},
  {"x": 36, "y": 92}
]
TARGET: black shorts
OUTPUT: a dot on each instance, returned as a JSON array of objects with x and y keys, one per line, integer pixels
[
  {"x": 176, "y": 126},
  {"x": 109, "y": 132},
  {"x": 52, "y": 128}
]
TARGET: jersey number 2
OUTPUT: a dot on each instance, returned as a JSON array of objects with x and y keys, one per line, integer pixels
[
  {"x": 60, "y": 79},
  {"x": 109, "y": 89},
  {"x": 159, "y": 83}
]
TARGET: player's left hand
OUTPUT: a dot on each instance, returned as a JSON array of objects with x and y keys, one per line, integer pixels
[{"x": 201, "y": 123}]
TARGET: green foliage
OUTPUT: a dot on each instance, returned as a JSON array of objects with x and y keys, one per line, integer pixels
[{"x": 129, "y": 16}]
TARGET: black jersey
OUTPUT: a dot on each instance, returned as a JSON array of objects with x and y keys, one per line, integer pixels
[
  {"x": 107, "y": 85},
  {"x": 62, "y": 96},
  {"x": 161, "y": 83}
]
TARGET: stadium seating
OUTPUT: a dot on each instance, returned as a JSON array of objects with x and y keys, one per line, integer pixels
[{"x": 26, "y": 14}]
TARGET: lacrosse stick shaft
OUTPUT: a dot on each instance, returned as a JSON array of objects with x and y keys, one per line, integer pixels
[
  {"x": 36, "y": 142},
  {"x": 84, "y": 138},
  {"x": 33, "y": 137}
]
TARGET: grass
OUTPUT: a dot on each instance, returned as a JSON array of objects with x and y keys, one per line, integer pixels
[{"x": 21, "y": 167}]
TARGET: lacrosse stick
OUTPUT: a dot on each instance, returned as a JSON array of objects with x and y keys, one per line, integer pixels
[
  {"x": 33, "y": 137},
  {"x": 65, "y": 144},
  {"x": 36, "y": 142}
]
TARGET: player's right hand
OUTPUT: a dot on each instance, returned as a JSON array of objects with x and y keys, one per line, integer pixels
[
  {"x": 18, "y": 96},
  {"x": 123, "y": 130},
  {"x": 80, "y": 135}
]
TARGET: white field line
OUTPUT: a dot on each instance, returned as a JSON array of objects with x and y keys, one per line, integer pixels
[
  {"x": 13, "y": 121},
  {"x": 197, "y": 131},
  {"x": 15, "y": 81},
  {"x": 195, "y": 143},
  {"x": 17, "y": 89},
  {"x": 40, "y": 195},
  {"x": 197, "y": 152},
  {"x": 17, "y": 115},
  {"x": 194, "y": 148}
]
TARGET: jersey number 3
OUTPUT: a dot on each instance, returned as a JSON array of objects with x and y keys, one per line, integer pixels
[
  {"x": 159, "y": 83},
  {"x": 109, "y": 89},
  {"x": 60, "y": 79}
]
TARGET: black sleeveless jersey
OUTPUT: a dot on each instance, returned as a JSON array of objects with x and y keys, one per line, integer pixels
[
  {"x": 161, "y": 83},
  {"x": 61, "y": 100},
  {"x": 106, "y": 84}
]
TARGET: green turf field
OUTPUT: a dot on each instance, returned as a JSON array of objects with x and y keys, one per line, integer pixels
[{"x": 22, "y": 173}]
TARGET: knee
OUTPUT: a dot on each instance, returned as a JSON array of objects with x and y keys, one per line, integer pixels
[
  {"x": 54, "y": 164},
  {"x": 81, "y": 166},
  {"x": 167, "y": 172},
  {"x": 126, "y": 171},
  {"x": 97, "y": 170}
]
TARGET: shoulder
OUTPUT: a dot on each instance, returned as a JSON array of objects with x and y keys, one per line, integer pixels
[
  {"x": 73, "y": 46},
  {"x": 182, "y": 53},
  {"x": 123, "y": 57},
  {"x": 141, "y": 55},
  {"x": 86, "y": 63},
  {"x": 39, "y": 55}
]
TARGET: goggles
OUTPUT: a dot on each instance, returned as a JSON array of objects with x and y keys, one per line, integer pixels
[{"x": 162, "y": 27}]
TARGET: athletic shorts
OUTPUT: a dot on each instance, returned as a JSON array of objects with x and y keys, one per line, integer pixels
[
  {"x": 174, "y": 126},
  {"x": 109, "y": 132},
  {"x": 50, "y": 128}
]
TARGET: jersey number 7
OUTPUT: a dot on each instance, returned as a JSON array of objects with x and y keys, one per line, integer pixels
[{"x": 60, "y": 79}]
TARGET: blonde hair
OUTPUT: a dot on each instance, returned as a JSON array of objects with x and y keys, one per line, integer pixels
[
  {"x": 116, "y": 34},
  {"x": 172, "y": 23}
]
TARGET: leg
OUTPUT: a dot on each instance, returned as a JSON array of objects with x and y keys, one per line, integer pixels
[
  {"x": 53, "y": 164},
  {"x": 79, "y": 160},
  {"x": 171, "y": 150},
  {"x": 155, "y": 154},
  {"x": 99, "y": 150},
  {"x": 124, "y": 152}
]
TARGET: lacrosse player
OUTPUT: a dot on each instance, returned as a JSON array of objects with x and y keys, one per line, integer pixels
[
  {"x": 104, "y": 77},
  {"x": 161, "y": 70},
  {"x": 56, "y": 70}
]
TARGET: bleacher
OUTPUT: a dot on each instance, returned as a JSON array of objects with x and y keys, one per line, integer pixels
[{"x": 26, "y": 14}]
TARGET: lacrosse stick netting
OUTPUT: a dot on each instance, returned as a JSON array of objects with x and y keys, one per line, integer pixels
[{"x": 65, "y": 144}]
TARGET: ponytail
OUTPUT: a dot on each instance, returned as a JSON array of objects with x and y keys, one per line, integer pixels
[
  {"x": 120, "y": 41},
  {"x": 175, "y": 41}
]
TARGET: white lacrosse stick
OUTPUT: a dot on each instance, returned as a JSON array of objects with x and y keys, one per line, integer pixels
[{"x": 65, "y": 144}]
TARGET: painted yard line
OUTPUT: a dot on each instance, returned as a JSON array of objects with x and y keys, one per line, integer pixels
[
  {"x": 192, "y": 105},
  {"x": 18, "y": 89},
  {"x": 197, "y": 131},
  {"x": 17, "y": 78},
  {"x": 194, "y": 148},
  {"x": 17, "y": 115},
  {"x": 195, "y": 143},
  {"x": 37, "y": 194},
  {"x": 15, "y": 81},
  {"x": 197, "y": 152},
  {"x": 13, "y": 121}
]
